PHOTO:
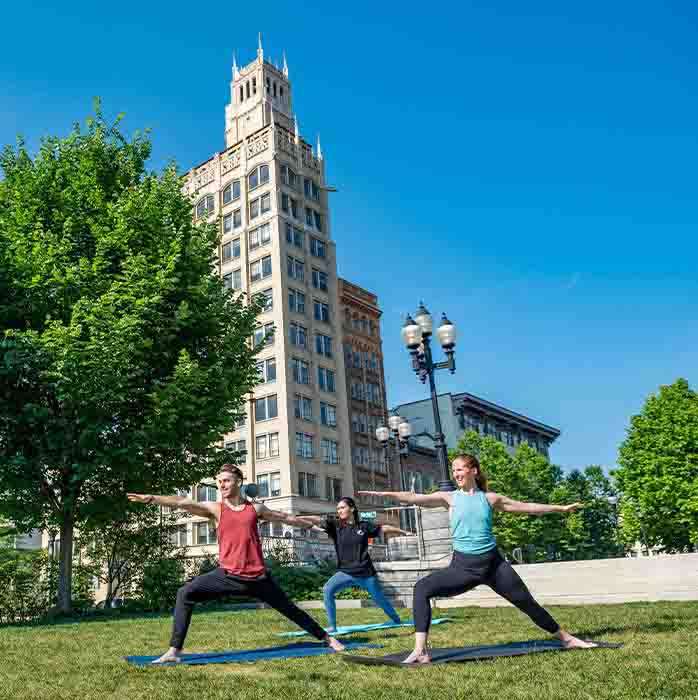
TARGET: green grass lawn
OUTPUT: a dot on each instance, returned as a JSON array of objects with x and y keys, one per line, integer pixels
[{"x": 83, "y": 660}]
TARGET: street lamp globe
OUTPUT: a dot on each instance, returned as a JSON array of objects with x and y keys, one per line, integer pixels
[
  {"x": 424, "y": 319},
  {"x": 394, "y": 421},
  {"x": 446, "y": 333},
  {"x": 411, "y": 333},
  {"x": 404, "y": 430},
  {"x": 382, "y": 434}
]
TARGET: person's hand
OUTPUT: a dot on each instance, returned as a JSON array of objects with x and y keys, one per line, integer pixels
[
  {"x": 572, "y": 507},
  {"x": 140, "y": 497}
]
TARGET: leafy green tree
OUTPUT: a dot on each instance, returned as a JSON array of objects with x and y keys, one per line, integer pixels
[
  {"x": 592, "y": 532},
  {"x": 119, "y": 552},
  {"x": 122, "y": 357},
  {"x": 658, "y": 472}
]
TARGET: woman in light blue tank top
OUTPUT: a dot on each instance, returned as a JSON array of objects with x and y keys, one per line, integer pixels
[{"x": 476, "y": 559}]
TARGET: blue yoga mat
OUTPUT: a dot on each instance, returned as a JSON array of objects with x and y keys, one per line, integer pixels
[
  {"x": 289, "y": 651},
  {"x": 351, "y": 629}
]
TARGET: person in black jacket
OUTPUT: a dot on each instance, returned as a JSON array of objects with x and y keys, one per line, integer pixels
[{"x": 350, "y": 536}]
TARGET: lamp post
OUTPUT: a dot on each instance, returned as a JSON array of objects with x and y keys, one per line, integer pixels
[
  {"x": 400, "y": 430},
  {"x": 416, "y": 334}
]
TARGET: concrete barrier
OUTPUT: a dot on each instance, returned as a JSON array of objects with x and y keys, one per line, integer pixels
[{"x": 665, "y": 577}]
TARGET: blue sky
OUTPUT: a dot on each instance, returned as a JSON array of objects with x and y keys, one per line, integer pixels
[{"x": 529, "y": 168}]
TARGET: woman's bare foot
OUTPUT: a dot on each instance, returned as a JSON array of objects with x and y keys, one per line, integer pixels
[
  {"x": 571, "y": 642},
  {"x": 334, "y": 644},
  {"x": 172, "y": 655},
  {"x": 418, "y": 656}
]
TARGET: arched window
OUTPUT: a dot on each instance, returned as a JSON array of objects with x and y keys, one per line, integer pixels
[
  {"x": 231, "y": 192},
  {"x": 204, "y": 206}
]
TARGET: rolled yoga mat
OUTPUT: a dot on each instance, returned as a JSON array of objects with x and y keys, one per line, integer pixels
[{"x": 454, "y": 655}]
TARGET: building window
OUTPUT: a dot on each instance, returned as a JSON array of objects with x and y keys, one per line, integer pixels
[
  {"x": 264, "y": 334},
  {"x": 300, "y": 370},
  {"x": 237, "y": 446},
  {"x": 205, "y": 532},
  {"x": 260, "y": 236},
  {"x": 231, "y": 250},
  {"x": 303, "y": 407},
  {"x": 309, "y": 217},
  {"x": 316, "y": 192},
  {"x": 294, "y": 236},
  {"x": 267, "y": 446},
  {"x": 231, "y": 192},
  {"x": 266, "y": 369},
  {"x": 295, "y": 269},
  {"x": 288, "y": 177},
  {"x": 205, "y": 206},
  {"x": 299, "y": 335},
  {"x": 232, "y": 221},
  {"x": 266, "y": 408},
  {"x": 296, "y": 301},
  {"x": 318, "y": 220},
  {"x": 247, "y": 89},
  {"x": 269, "y": 485},
  {"x": 233, "y": 280},
  {"x": 259, "y": 176},
  {"x": 318, "y": 248},
  {"x": 307, "y": 187},
  {"x": 330, "y": 451},
  {"x": 266, "y": 298},
  {"x": 260, "y": 269},
  {"x": 321, "y": 311},
  {"x": 323, "y": 345},
  {"x": 333, "y": 488},
  {"x": 294, "y": 208},
  {"x": 308, "y": 485},
  {"x": 206, "y": 493},
  {"x": 320, "y": 280},
  {"x": 242, "y": 94},
  {"x": 304, "y": 445},
  {"x": 326, "y": 379},
  {"x": 328, "y": 414}
]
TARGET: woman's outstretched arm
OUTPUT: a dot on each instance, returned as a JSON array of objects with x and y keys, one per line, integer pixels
[
  {"x": 509, "y": 505},
  {"x": 427, "y": 500}
]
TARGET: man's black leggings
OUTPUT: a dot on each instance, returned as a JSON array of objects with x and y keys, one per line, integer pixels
[
  {"x": 218, "y": 584},
  {"x": 469, "y": 570}
]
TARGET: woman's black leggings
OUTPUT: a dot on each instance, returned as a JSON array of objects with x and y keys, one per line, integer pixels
[
  {"x": 469, "y": 570},
  {"x": 218, "y": 584}
]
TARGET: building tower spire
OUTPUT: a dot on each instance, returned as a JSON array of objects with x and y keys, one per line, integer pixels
[
  {"x": 236, "y": 72},
  {"x": 285, "y": 67},
  {"x": 295, "y": 128},
  {"x": 319, "y": 148},
  {"x": 260, "y": 50}
]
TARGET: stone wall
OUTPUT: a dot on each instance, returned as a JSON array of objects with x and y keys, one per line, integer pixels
[{"x": 668, "y": 577}]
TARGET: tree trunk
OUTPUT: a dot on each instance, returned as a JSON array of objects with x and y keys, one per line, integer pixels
[{"x": 65, "y": 566}]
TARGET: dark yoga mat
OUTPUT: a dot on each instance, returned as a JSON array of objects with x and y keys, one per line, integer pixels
[
  {"x": 445, "y": 656},
  {"x": 269, "y": 654}
]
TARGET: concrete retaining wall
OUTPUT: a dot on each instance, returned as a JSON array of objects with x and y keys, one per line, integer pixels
[{"x": 673, "y": 577}]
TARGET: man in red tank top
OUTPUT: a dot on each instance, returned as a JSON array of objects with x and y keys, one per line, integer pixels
[{"x": 241, "y": 570}]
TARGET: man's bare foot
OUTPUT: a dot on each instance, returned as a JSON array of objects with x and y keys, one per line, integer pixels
[
  {"x": 418, "y": 656},
  {"x": 334, "y": 644},
  {"x": 570, "y": 642},
  {"x": 170, "y": 656}
]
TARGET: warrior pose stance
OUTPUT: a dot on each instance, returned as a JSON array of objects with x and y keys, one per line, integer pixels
[
  {"x": 354, "y": 566},
  {"x": 241, "y": 570},
  {"x": 476, "y": 559}
]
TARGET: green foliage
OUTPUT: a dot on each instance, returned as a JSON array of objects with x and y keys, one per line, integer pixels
[
  {"x": 24, "y": 590},
  {"x": 157, "y": 589},
  {"x": 529, "y": 476},
  {"x": 118, "y": 552},
  {"x": 122, "y": 357},
  {"x": 658, "y": 472}
]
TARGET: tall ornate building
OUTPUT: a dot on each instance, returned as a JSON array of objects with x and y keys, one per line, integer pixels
[{"x": 268, "y": 190}]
